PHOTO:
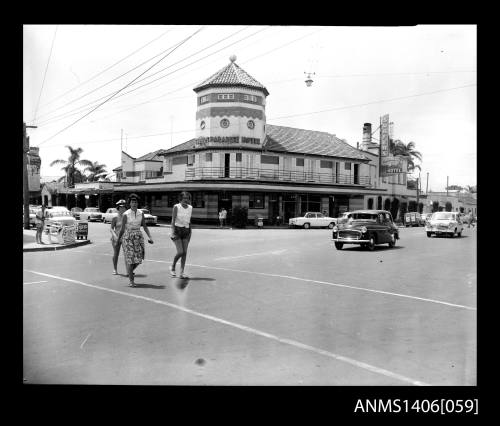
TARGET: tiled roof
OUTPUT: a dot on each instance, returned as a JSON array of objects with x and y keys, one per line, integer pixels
[
  {"x": 152, "y": 156},
  {"x": 290, "y": 139},
  {"x": 231, "y": 75},
  {"x": 185, "y": 146}
]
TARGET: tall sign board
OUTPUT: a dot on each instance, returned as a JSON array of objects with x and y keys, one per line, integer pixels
[{"x": 384, "y": 136}]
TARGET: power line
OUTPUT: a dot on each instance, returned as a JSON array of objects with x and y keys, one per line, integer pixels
[
  {"x": 78, "y": 109},
  {"x": 128, "y": 84},
  {"x": 109, "y": 82},
  {"x": 108, "y": 68},
  {"x": 45, "y": 73}
]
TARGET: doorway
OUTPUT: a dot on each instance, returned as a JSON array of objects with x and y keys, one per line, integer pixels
[
  {"x": 356, "y": 174},
  {"x": 227, "y": 158}
]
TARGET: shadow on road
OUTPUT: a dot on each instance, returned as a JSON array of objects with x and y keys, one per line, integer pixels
[
  {"x": 377, "y": 248},
  {"x": 156, "y": 287}
]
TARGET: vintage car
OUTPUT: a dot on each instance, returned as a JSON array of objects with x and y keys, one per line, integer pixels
[
  {"x": 75, "y": 211},
  {"x": 57, "y": 217},
  {"x": 312, "y": 220},
  {"x": 109, "y": 215},
  {"x": 367, "y": 228},
  {"x": 91, "y": 214},
  {"x": 444, "y": 223},
  {"x": 149, "y": 218}
]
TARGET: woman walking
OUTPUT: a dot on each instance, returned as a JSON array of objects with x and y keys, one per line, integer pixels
[
  {"x": 40, "y": 224},
  {"x": 116, "y": 225},
  {"x": 181, "y": 231},
  {"x": 131, "y": 238}
]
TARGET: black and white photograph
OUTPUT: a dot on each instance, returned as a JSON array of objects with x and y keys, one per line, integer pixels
[{"x": 249, "y": 205}]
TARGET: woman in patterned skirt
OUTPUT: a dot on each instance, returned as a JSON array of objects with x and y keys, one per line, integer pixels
[{"x": 131, "y": 237}]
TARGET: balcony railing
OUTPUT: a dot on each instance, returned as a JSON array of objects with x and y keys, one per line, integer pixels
[{"x": 243, "y": 173}]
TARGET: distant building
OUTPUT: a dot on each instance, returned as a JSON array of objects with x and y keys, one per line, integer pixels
[{"x": 34, "y": 163}]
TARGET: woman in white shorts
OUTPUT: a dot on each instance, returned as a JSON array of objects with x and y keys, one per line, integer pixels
[{"x": 181, "y": 231}]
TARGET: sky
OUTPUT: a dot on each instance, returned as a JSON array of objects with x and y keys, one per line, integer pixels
[{"x": 424, "y": 77}]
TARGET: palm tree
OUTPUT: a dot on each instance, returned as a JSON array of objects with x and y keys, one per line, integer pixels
[
  {"x": 95, "y": 171},
  {"x": 408, "y": 151},
  {"x": 71, "y": 163}
]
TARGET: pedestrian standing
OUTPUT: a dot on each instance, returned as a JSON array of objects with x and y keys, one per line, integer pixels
[
  {"x": 224, "y": 216},
  {"x": 116, "y": 225},
  {"x": 131, "y": 237},
  {"x": 181, "y": 231},
  {"x": 220, "y": 218},
  {"x": 40, "y": 223}
]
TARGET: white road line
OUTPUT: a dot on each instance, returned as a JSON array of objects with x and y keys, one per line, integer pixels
[
  {"x": 251, "y": 330},
  {"x": 423, "y": 299},
  {"x": 35, "y": 282},
  {"x": 253, "y": 254},
  {"x": 85, "y": 341}
]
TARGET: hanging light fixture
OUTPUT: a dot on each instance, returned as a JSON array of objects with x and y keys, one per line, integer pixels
[{"x": 309, "y": 80}]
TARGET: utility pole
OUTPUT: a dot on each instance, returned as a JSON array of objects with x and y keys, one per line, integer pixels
[
  {"x": 427, "y": 184},
  {"x": 418, "y": 190},
  {"x": 26, "y": 188},
  {"x": 447, "y": 184}
]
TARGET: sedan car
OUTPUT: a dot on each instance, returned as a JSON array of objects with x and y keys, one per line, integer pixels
[
  {"x": 109, "y": 215},
  {"x": 57, "y": 217},
  {"x": 312, "y": 220},
  {"x": 149, "y": 218},
  {"x": 444, "y": 223},
  {"x": 366, "y": 228},
  {"x": 91, "y": 214},
  {"x": 75, "y": 211}
]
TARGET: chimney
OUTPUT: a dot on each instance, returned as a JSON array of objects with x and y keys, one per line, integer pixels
[{"x": 367, "y": 135}]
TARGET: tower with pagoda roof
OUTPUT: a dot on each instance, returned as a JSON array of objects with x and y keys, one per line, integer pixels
[{"x": 231, "y": 107}]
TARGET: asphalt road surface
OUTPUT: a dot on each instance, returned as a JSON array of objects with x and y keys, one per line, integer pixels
[{"x": 261, "y": 307}]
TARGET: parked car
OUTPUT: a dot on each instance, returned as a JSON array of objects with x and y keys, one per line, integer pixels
[
  {"x": 312, "y": 220},
  {"x": 367, "y": 228},
  {"x": 32, "y": 216},
  {"x": 413, "y": 219},
  {"x": 91, "y": 214},
  {"x": 57, "y": 217},
  {"x": 149, "y": 218},
  {"x": 424, "y": 217},
  {"x": 75, "y": 211},
  {"x": 110, "y": 214},
  {"x": 444, "y": 223},
  {"x": 344, "y": 218}
]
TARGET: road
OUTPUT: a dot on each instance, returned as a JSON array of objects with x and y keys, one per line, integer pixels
[{"x": 261, "y": 307}]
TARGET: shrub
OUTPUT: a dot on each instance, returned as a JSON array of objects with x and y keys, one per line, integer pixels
[
  {"x": 239, "y": 217},
  {"x": 448, "y": 206}
]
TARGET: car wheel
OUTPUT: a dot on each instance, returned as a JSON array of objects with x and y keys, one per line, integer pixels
[
  {"x": 371, "y": 244},
  {"x": 453, "y": 233},
  {"x": 429, "y": 234},
  {"x": 393, "y": 242},
  {"x": 307, "y": 225},
  {"x": 331, "y": 225},
  {"x": 339, "y": 246}
]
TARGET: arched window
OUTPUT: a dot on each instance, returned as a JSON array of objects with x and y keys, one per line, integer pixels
[
  {"x": 370, "y": 203},
  {"x": 379, "y": 202}
]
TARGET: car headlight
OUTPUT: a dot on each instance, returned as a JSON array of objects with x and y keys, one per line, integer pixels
[
  {"x": 335, "y": 229},
  {"x": 363, "y": 229}
]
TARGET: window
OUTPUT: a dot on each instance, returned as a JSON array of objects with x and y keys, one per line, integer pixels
[
  {"x": 250, "y": 98},
  {"x": 326, "y": 164},
  {"x": 179, "y": 160},
  {"x": 222, "y": 96},
  {"x": 208, "y": 157},
  {"x": 238, "y": 156},
  {"x": 299, "y": 162},
  {"x": 347, "y": 166},
  {"x": 204, "y": 99},
  {"x": 256, "y": 201},
  {"x": 310, "y": 215},
  {"x": 190, "y": 159},
  {"x": 198, "y": 200},
  {"x": 224, "y": 123},
  {"x": 269, "y": 159},
  {"x": 168, "y": 165}
]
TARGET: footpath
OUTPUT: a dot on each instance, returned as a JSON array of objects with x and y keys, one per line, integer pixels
[{"x": 30, "y": 244}]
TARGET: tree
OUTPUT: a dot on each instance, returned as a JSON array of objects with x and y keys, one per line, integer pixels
[
  {"x": 470, "y": 189},
  {"x": 407, "y": 151},
  {"x": 448, "y": 206},
  {"x": 95, "y": 170},
  {"x": 454, "y": 188},
  {"x": 71, "y": 163}
]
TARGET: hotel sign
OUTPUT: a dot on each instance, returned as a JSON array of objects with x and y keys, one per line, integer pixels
[
  {"x": 225, "y": 140},
  {"x": 392, "y": 165},
  {"x": 384, "y": 135}
]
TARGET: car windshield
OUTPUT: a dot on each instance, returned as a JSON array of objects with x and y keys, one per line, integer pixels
[
  {"x": 76, "y": 209},
  {"x": 144, "y": 211},
  {"x": 364, "y": 216},
  {"x": 442, "y": 216},
  {"x": 93, "y": 210}
]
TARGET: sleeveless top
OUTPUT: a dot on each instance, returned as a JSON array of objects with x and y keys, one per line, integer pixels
[
  {"x": 183, "y": 217},
  {"x": 134, "y": 220}
]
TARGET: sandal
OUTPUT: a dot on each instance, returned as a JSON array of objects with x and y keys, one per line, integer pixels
[
  {"x": 115, "y": 272},
  {"x": 184, "y": 276},
  {"x": 131, "y": 284},
  {"x": 172, "y": 272}
]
